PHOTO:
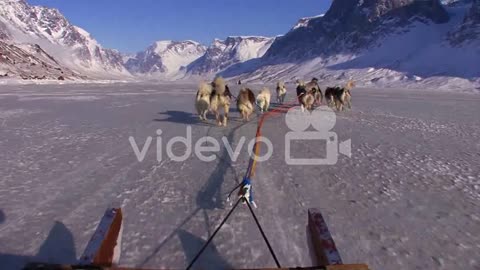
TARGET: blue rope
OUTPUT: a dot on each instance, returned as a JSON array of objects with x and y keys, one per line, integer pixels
[{"x": 247, "y": 190}]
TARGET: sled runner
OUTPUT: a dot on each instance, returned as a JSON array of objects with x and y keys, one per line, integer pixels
[{"x": 103, "y": 250}]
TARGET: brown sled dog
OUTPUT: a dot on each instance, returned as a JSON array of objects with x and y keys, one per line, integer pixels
[
  {"x": 220, "y": 99},
  {"x": 281, "y": 92},
  {"x": 246, "y": 103}
]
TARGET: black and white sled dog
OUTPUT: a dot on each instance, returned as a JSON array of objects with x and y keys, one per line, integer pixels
[{"x": 339, "y": 97}]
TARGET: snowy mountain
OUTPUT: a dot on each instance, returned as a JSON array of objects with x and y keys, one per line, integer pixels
[
  {"x": 222, "y": 54},
  {"x": 352, "y": 25},
  {"x": 377, "y": 42},
  {"x": 373, "y": 41},
  {"x": 69, "y": 44},
  {"x": 165, "y": 57}
]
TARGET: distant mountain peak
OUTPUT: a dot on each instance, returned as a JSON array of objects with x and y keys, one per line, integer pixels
[
  {"x": 232, "y": 50},
  {"x": 165, "y": 57}
]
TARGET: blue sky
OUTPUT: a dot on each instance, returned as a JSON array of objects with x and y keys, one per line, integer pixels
[{"x": 132, "y": 25}]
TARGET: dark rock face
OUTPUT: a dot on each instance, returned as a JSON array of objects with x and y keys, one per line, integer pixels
[
  {"x": 469, "y": 30},
  {"x": 4, "y": 35},
  {"x": 146, "y": 62},
  {"x": 30, "y": 61},
  {"x": 350, "y": 25}
]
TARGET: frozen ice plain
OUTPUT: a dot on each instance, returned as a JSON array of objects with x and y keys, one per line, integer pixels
[{"x": 409, "y": 197}]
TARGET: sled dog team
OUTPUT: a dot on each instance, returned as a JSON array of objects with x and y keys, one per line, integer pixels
[{"x": 216, "y": 97}]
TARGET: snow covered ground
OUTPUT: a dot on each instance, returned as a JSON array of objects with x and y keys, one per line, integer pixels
[{"x": 408, "y": 198}]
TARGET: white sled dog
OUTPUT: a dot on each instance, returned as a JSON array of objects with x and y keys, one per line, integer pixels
[
  {"x": 348, "y": 95},
  {"x": 202, "y": 101},
  {"x": 281, "y": 92},
  {"x": 220, "y": 99},
  {"x": 263, "y": 99},
  {"x": 246, "y": 103}
]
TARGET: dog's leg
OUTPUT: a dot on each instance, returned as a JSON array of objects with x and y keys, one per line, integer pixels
[
  {"x": 217, "y": 117},
  {"x": 340, "y": 106},
  {"x": 226, "y": 109},
  {"x": 204, "y": 115}
]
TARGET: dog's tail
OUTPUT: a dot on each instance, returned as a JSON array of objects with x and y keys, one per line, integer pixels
[
  {"x": 309, "y": 99},
  {"x": 350, "y": 85},
  {"x": 245, "y": 107},
  {"x": 219, "y": 85},
  {"x": 204, "y": 89},
  {"x": 250, "y": 95},
  {"x": 265, "y": 91},
  {"x": 263, "y": 95},
  {"x": 280, "y": 85}
]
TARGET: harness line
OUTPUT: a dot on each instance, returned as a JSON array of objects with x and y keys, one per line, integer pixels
[{"x": 245, "y": 192}]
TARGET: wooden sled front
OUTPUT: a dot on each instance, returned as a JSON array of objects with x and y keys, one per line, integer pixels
[{"x": 103, "y": 250}]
